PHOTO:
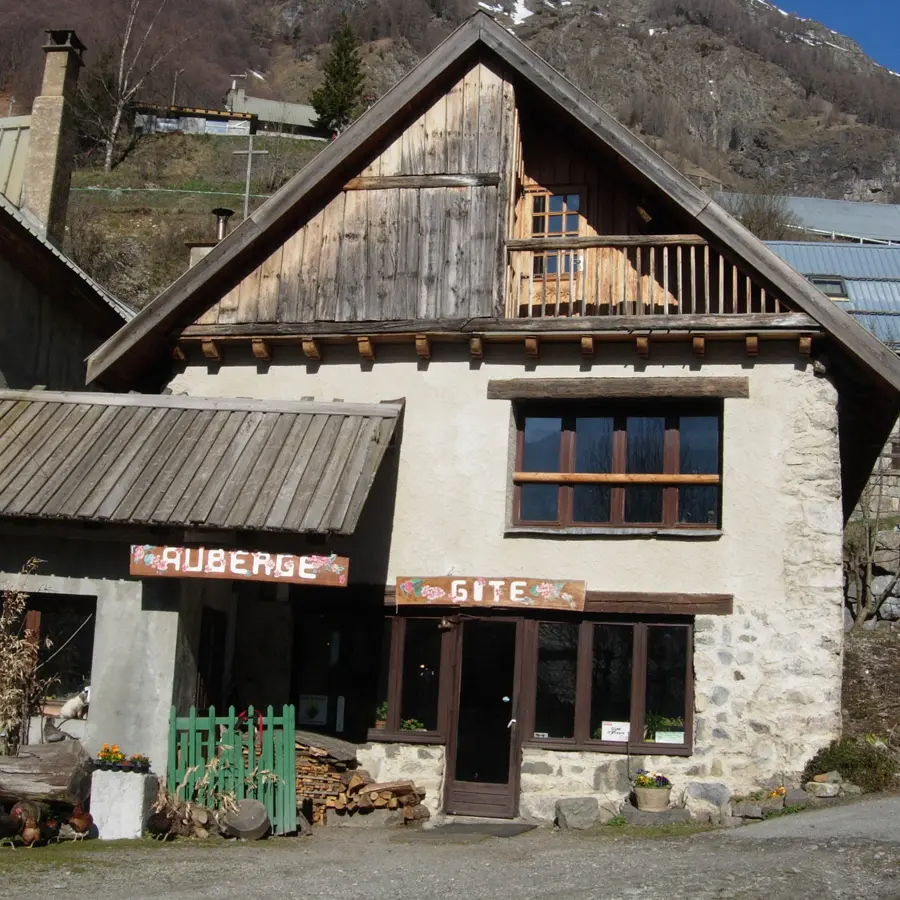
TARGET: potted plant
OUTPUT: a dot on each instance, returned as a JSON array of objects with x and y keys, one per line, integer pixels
[
  {"x": 651, "y": 791},
  {"x": 412, "y": 725},
  {"x": 110, "y": 757},
  {"x": 140, "y": 763},
  {"x": 381, "y": 715}
]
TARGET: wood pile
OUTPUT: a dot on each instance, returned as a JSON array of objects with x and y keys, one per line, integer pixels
[
  {"x": 361, "y": 795},
  {"x": 319, "y": 778}
]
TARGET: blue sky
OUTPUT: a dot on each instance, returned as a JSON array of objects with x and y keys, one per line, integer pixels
[{"x": 873, "y": 24}]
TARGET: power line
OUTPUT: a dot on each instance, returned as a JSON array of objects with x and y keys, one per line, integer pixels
[{"x": 113, "y": 190}]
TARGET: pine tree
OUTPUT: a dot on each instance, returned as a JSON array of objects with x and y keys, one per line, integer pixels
[{"x": 339, "y": 100}]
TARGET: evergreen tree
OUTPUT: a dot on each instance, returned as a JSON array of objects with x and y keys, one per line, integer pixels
[{"x": 339, "y": 100}]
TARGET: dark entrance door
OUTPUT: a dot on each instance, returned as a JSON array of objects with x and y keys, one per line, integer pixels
[{"x": 483, "y": 753}]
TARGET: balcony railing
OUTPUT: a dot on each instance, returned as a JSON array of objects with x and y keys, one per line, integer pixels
[{"x": 629, "y": 276}]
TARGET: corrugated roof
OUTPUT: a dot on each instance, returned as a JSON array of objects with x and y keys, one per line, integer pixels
[
  {"x": 186, "y": 461},
  {"x": 842, "y": 218},
  {"x": 274, "y": 110},
  {"x": 125, "y": 311}
]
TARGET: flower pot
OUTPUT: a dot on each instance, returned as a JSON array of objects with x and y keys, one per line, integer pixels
[
  {"x": 652, "y": 799},
  {"x": 381, "y": 724},
  {"x": 103, "y": 765}
]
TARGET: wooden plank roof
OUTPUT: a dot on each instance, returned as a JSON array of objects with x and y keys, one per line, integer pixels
[
  {"x": 136, "y": 346},
  {"x": 189, "y": 461}
]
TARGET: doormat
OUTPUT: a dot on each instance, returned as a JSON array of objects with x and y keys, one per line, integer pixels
[{"x": 477, "y": 829}]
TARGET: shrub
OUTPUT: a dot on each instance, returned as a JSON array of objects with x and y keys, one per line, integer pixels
[{"x": 871, "y": 767}]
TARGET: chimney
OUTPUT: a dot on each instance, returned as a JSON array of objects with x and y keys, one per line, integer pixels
[
  {"x": 51, "y": 145},
  {"x": 199, "y": 249}
]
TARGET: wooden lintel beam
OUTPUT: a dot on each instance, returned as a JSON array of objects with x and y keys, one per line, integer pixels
[
  {"x": 752, "y": 343},
  {"x": 587, "y": 346},
  {"x": 642, "y": 345},
  {"x": 603, "y": 240},
  {"x": 366, "y": 348},
  {"x": 210, "y": 350},
  {"x": 260, "y": 349},
  {"x": 532, "y": 347},
  {"x": 178, "y": 354},
  {"x": 636, "y": 388},
  {"x": 699, "y": 346},
  {"x": 311, "y": 349},
  {"x": 476, "y": 348},
  {"x": 609, "y": 478},
  {"x": 658, "y": 604},
  {"x": 418, "y": 182},
  {"x": 805, "y": 345},
  {"x": 423, "y": 346}
]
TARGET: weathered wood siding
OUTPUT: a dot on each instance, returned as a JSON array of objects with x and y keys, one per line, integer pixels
[
  {"x": 40, "y": 343},
  {"x": 409, "y": 251}
]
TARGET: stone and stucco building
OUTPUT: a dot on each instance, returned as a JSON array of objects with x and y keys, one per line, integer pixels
[{"x": 563, "y": 372}]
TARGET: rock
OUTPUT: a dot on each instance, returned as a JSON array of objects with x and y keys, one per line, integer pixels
[
  {"x": 823, "y": 789},
  {"x": 713, "y": 792},
  {"x": 796, "y": 797},
  {"x": 890, "y": 609},
  {"x": 828, "y": 778},
  {"x": 373, "y": 818},
  {"x": 772, "y": 804},
  {"x": 575, "y": 813},
  {"x": 849, "y": 788},
  {"x": 748, "y": 810},
  {"x": 120, "y": 803},
  {"x": 732, "y": 821},
  {"x": 887, "y": 552},
  {"x": 634, "y": 816}
]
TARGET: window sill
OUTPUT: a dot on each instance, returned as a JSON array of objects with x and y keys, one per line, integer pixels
[
  {"x": 601, "y": 531},
  {"x": 380, "y": 736},
  {"x": 609, "y": 747}
]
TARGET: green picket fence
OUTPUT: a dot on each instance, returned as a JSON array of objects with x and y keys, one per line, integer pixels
[{"x": 211, "y": 757}]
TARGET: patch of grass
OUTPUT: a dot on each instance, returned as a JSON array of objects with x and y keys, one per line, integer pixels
[
  {"x": 784, "y": 811},
  {"x": 617, "y": 821}
]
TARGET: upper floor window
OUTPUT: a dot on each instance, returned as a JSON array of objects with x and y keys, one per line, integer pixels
[
  {"x": 555, "y": 215},
  {"x": 831, "y": 286},
  {"x": 634, "y": 466}
]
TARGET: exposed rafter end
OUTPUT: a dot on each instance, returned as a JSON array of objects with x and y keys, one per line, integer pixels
[
  {"x": 178, "y": 354},
  {"x": 642, "y": 344},
  {"x": 423, "y": 346},
  {"x": 699, "y": 345},
  {"x": 260, "y": 349},
  {"x": 311, "y": 349},
  {"x": 476, "y": 348},
  {"x": 366, "y": 348},
  {"x": 752, "y": 345},
  {"x": 532, "y": 347},
  {"x": 587, "y": 346},
  {"x": 805, "y": 345},
  {"x": 211, "y": 350}
]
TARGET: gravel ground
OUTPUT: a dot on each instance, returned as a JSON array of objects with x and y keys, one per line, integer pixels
[{"x": 351, "y": 864}]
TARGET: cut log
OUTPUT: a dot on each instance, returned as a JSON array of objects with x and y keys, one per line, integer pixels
[
  {"x": 395, "y": 787},
  {"x": 415, "y": 814},
  {"x": 378, "y": 801},
  {"x": 46, "y": 773},
  {"x": 355, "y": 783},
  {"x": 249, "y": 821},
  {"x": 393, "y": 803},
  {"x": 364, "y": 801}
]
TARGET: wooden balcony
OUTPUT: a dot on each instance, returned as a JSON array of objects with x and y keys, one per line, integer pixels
[{"x": 652, "y": 275}]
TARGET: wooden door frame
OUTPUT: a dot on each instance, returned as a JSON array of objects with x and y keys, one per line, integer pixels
[{"x": 515, "y": 749}]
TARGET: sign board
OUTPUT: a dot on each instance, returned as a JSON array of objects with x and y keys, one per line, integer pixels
[
  {"x": 669, "y": 737},
  {"x": 238, "y": 565},
  {"x": 491, "y": 593},
  {"x": 615, "y": 731}
]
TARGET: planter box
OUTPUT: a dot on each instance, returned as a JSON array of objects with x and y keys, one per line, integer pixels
[
  {"x": 652, "y": 799},
  {"x": 120, "y": 803}
]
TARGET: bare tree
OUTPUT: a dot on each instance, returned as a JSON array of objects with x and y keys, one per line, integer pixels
[{"x": 765, "y": 213}]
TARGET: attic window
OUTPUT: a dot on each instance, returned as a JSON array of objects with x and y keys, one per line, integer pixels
[
  {"x": 832, "y": 286},
  {"x": 555, "y": 215}
]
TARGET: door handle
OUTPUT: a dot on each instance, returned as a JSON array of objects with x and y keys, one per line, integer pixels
[{"x": 511, "y": 723}]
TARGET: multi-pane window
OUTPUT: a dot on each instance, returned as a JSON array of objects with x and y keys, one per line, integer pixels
[
  {"x": 555, "y": 216},
  {"x": 651, "y": 466},
  {"x": 613, "y": 683}
]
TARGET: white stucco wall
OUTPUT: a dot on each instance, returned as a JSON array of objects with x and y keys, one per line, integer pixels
[{"x": 767, "y": 677}]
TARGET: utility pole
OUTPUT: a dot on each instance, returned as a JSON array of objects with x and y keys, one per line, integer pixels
[
  {"x": 250, "y": 153},
  {"x": 175, "y": 85}
]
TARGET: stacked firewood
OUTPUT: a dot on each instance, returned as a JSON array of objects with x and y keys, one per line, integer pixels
[
  {"x": 362, "y": 794},
  {"x": 319, "y": 778}
]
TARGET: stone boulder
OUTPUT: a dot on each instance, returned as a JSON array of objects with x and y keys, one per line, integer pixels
[
  {"x": 828, "y": 778},
  {"x": 890, "y": 609},
  {"x": 576, "y": 813},
  {"x": 634, "y": 816},
  {"x": 848, "y": 788},
  {"x": 707, "y": 801},
  {"x": 823, "y": 789},
  {"x": 796, "y": 797},
  {"x": 887, "y": 552},
  {"x": 747, "y": 809}
]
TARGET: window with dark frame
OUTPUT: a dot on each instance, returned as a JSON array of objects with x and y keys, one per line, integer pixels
[
  {"x": 622, "y": 465},
  {"x": 555, "y": 215},
  {"x": 605, "y": 685}
]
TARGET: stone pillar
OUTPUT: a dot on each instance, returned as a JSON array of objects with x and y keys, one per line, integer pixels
[
  {"x": 120, "y": 803},
  {"x": 51, "y": 147}
]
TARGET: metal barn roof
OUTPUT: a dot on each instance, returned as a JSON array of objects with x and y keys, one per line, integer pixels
[
  {"x": 871, "y": 275},
  {"x": 186, "y": 461}
]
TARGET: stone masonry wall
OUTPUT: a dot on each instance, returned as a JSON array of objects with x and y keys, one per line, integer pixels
[{"x": 423, "y": 763}]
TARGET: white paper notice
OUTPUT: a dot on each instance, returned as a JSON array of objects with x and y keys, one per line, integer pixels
[
  {"x": 615, "y": 731},
  {"x": 669, "y": 737}
]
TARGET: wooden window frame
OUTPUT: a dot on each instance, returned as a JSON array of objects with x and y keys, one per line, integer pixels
[
  {"x": 582, "y": 740},
  {"x": 619, "y": 412},
  {"x": 555, "y": 190},
  {"x": 392, "y": 732}
]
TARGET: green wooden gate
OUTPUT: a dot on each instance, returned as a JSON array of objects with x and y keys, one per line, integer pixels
[{"x": 213, "y": 757}]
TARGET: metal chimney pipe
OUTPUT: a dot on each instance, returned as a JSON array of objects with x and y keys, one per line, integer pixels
[{"x": 222, "y": 216}]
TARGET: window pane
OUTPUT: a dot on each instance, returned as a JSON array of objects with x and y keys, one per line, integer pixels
[
  {"x": 551, "y": 263},
  {"x": 645, "y": 449},
  {"x": 539, "y": 265},
  {"x": 554, "y": 224},
  {"x": 539, "y": 203},
  {"x": 537, "y": 224},
  {"x": 572, "y": 202},
  {"x": 556, "y": 203},
  {"x": 699, "y": 455},
  {"x": 554, "y": 714},
  {"x": 611, "y": 681},
  {"x": 421, "y": 671},
  {"x": 540, "y": 453},
  {"x": 666, "y": 688},
  {"x": 379, "y": 717},
  {"x": 572, "y": 222},
  {"x": 593, "y": 453}
]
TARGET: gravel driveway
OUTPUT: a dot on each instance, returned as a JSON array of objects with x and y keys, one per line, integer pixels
[{"x": 352, "y": 864}]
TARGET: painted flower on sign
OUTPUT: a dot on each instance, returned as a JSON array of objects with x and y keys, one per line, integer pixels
[
  {"x": 432, "y": 592},
  {"x": 407, "y": 587},
  {"x": 548, "y": 590}
]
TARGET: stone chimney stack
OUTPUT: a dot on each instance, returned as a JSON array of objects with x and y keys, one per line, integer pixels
[{"x": 51, "y": 145}]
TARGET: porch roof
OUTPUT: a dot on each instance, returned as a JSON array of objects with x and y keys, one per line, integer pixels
[{"x": 189, "y": 461}]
